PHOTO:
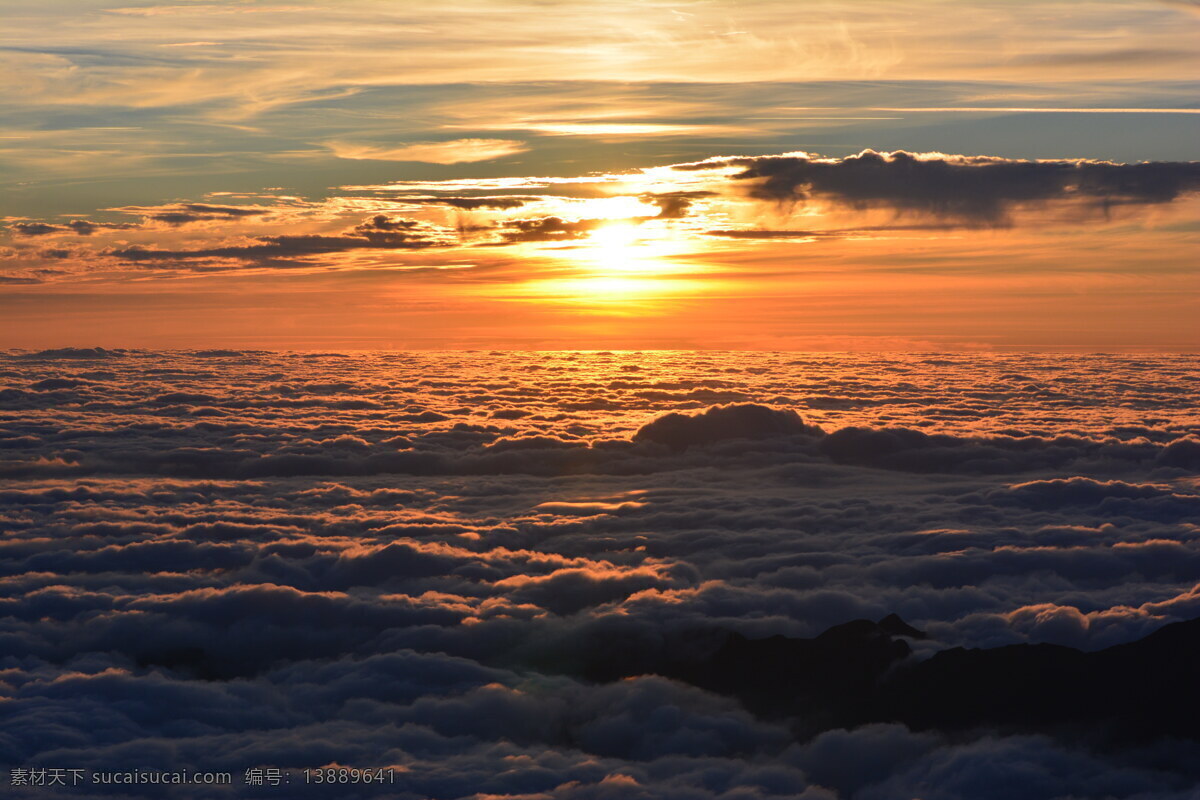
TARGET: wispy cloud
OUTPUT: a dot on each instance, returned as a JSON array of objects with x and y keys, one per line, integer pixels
[
  {"x": 1033, "y": 110},
  {"x": 455, "y": 151},
  {"x": 1189, "y": 5},
  {"x": 322, "y": 47}
]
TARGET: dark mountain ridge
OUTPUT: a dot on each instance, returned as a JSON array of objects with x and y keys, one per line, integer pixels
[{"x": 863, "y": 672}]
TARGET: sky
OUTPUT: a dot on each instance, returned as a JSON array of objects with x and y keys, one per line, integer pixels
[
  {"x": 546, "y": 400},
  {"x": 870, "y": 175}
]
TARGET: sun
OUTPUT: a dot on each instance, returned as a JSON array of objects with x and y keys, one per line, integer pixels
[
  {"x": 629, "y": 248},
  {"x": 631, "y": 261},
  {"x": 617, "y": 247}
]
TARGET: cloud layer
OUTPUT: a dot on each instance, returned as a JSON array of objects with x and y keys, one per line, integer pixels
[
  {"x": 693, "y": 208},
  {"x": 226, "y": 559}
]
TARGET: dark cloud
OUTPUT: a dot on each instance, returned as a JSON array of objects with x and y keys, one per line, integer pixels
[
  {"x": 382, "y": 223},
  {"x": 35, "y": 228},
  {"x": 474, "y": 203},
  {"x": 377, "y": 233},
  {"x": 720, "y": 423},
  {"x": 185, "y": 213},
  {"x": 549, "y": 229},
  {"x": 975, "y": 189},
  {"x": 675, "y": 205},
  {"x": 1103, "y": 498},
  {"x": 225, "y": 211},
  {"x": 82, "y": 227},
  {"x": 50, "y": 384},
  {"x": 73, "y": 353},
  {"x": 85, "y": 227}
]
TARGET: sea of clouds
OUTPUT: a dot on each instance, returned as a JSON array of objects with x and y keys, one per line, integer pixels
[{"x": 224, "y": 560}]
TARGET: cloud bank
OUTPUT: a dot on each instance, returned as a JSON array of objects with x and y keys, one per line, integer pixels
[{"x": 478, "y": 568}]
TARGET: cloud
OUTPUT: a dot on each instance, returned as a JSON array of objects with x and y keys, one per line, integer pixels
[
  {"x": 35, "y": 228},
  {"x": 762, "y": 202},
  {"x": 82, "y": 227},
  {"x": 74, "y": 353},
  {"x": 1103, "y": 498},
  {"x": 274, "y": 248},
  {"x": 198, "y": 212},
  {"x": 675, "y": 205},
  {"x": 1187, "y": 5},
  {"x": 473, "y": 203},
  {"x": 229, "y": 558},
  {"x": 751, "y": 233},
  {"x": 383, "y": 224},
  {"x": 377, "y": 233},
  {"x": 722, "y": 423},
  {"x": 981, "y": 190},
  {"x": 549, "y": 229},
  {"x": 455, "y": 151}
]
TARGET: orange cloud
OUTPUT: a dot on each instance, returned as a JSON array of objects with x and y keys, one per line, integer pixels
[{"x": 455, "y": 151}]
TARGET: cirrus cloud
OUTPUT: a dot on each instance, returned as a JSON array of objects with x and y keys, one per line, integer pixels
[{"x": 454, "y": 151}]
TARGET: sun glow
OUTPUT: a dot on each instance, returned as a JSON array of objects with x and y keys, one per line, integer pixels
[
  {"x": 624, "y": 261},
  {"x": 602, "y": 291},
  {"x": 628, "y": 248},
  {"x": 616, "y": 247}
]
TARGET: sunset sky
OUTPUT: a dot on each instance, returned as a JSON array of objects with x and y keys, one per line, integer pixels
[
  {"x": 872, "y": 175},
  {"x": 581, "y": 400}
]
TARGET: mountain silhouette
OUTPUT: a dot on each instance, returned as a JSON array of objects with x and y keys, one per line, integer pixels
[{"x": 864, "y": 672}]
